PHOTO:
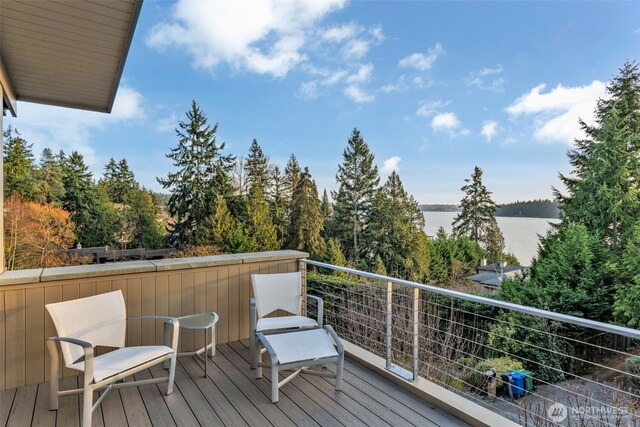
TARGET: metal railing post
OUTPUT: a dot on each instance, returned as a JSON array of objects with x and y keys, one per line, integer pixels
[
  {"x": 416, "y": 318},
  {"x": 388, "y": 321}
]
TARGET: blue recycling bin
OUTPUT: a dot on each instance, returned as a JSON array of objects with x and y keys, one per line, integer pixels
[
  {"x": 516, "y": 380},
  {"x": 517, "y": 383}
]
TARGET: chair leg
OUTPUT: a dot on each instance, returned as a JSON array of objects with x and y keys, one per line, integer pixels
[
  {"x": 87, "y": 406},
  {"x": 274, "y": 384},
  {"x": 167, "y": 342},
  {"x": 172, "y": 372},
  {"x": 339, "y": 370},
  {"x": 253, "y": 352},
  {"x": 53, "y": 375}
]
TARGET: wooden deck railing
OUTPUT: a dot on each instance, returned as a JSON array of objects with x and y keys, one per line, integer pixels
[{"x": 172, "y": 287}]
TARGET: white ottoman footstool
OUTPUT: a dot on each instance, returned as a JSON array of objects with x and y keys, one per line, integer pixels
[{"x": 301, "y": 350}]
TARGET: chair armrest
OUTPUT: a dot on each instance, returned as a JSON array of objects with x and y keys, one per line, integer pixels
[
  {"x": 267, "y": 345},
  {"x": 253, "y": 315},
  {"x": 84, "y": 344},
  {"x": 335, "y": 338},
  {"x": 88, "y": 353},
  {"x": 320, "y": 308}
]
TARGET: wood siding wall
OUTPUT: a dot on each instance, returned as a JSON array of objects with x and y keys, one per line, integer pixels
[{"x": 225, "y": 289}]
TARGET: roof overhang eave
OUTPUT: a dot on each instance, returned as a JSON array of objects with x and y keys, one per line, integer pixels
[
  {"x": 125, "y": 54},
  {"x": 8, "y": 94}
]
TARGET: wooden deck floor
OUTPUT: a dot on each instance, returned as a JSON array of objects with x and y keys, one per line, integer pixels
[{"x": 231, "y": 396}]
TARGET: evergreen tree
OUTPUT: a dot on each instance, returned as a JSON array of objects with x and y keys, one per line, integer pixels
[
  {"x": 603, "y": 191},
  {"x": 257, "y": 169},
  {"x": 203, "y": 173},
  {"x": 476, "y": 219},
  {"x": 358, "y": 179},
  {"x": 306, "y": 224},
  {"x": 260, "y": 229},
  {"x": 105, "y": 222},
  {"x": 452, "y": 258},
  {"x": 291, "y": 177},
  {"x": 325, "y": 207},
  {"x": 222, "y": 225},
  {"x": 118, "y": 180},
  {"x": 290, "y": 180},
  {"x": 96, "y": 220},
  {"x": 19, "y": 168},
  {"x": 627, "y": 296},
  {"x": 278, "y": 205},
  {"x": 335, "y": 256},
  {"x": 79, "y": 194},
  {"x": 142, "y": 220},
  {"x": 494, "y": 242},
  {"x": 572, "y": 274},
  {"x": 51, "y": 188},
  {"x": 397, "y": 228}
]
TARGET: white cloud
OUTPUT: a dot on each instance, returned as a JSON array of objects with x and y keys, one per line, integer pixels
[
  {"x": 391, "y": 164},
  {"x": 261, "y": 36},
  {"x": 448, "y": 122},
  {"x": 308, "y": 90},
  {"x": 636, "y": 31},
  {"x": 69, "y": 129},
  {"x": 445, "y": 121},
  {"x": 487, "y": 79},
  {"x": 399, "y": 86},
  {"x": 334, "y": 77},
  {"x": 167, "y": 124},
  {"x": 489, "y": 129},
  {"x": 421, "y": 61},
  {"x": 341, "y": 33},
  {"x": 555, "y": 113},
  {"x": 363, "y": 75},
  {"x": 429, "y": 108},
  {"x": 356, "y": 49},
  {"x": 420, "y": 82},
  {"x": 357, "y": 95}
]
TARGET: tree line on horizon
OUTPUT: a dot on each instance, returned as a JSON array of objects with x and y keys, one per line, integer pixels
[{"x": 217, "y": 202}]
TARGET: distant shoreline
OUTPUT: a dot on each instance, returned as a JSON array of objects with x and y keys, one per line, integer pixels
[{"x": 546, "y": 209}]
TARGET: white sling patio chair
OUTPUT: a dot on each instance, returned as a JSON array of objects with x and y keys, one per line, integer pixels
[
  {"x": 100, "y": 320},
  {"x": 282, "y": 291}
]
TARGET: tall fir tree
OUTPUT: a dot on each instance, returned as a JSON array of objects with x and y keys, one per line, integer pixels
[
  {"x": 604, "y": 188},
  {"x": 118, "y": 180},
  {"x": 96, "y": 220},
  {"x": 256, "y": 168},
  {"x": 50, "y": 173},
  {"x": 222, "y": 225},
  {"x": 260, "y": 228},
  {"x": 397, "y": 227},
  {"x": 476, "y": 219},
  {"x": 325, "y": 206},
  {"x": 20, "y": 175},
  {"x": 358, "y": 179},
  {"x": 291, "y": 177},
  {"x": 203, "y": 173},
  {"x": 278, "y": 205},
  {"x": 142, "y": 220},
  {"x": 306, "y": 223}
]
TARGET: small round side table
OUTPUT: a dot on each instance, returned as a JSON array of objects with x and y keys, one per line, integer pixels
[{"x": 205, "y": 322}]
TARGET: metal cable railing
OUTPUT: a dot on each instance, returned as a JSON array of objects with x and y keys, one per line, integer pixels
[{"x": 451, "y": 338}]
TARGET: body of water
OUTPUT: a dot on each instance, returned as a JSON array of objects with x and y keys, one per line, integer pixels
[{"x": 520, "y": 234}]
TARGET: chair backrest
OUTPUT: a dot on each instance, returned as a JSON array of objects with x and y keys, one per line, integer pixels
[
  {"x": 281, "y": 291},
  {"x": 99, "y": 320}
]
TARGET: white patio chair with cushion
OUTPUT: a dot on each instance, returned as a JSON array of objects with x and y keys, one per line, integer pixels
[
  {"x": 100, "y": 320},
  {"x": 273, "y": 292}
]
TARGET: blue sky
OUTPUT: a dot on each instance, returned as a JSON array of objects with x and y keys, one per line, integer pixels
[{"x": 435, "y": 87}]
